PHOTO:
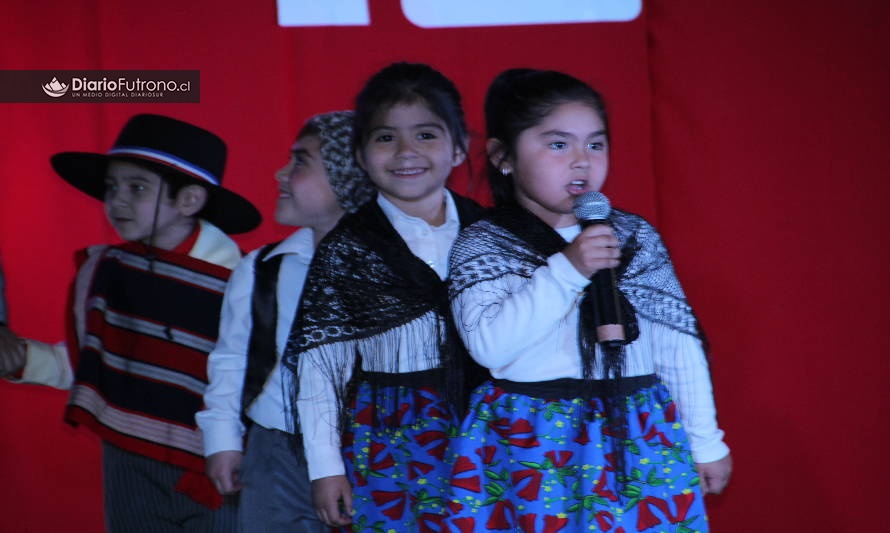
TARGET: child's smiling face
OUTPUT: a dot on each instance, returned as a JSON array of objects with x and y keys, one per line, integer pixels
[
  {"x": 409, "y": 153},
  {"x": 305, "y": 196}
]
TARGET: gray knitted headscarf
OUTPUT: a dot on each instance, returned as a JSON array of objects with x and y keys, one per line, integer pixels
[{"x": 350, "y": 183}]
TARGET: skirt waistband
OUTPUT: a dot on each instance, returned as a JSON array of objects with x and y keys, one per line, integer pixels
[
  {"x": 434, "y": 377},
  {"x": 568, "y": 388}
]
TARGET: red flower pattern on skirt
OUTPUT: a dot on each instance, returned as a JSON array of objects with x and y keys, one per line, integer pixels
[
  {"x": 517, "y": 433},
  {"x": 471, "y": 483},
  {"x": 534, "y": 465},
  {"x": 397, "y": 472}
]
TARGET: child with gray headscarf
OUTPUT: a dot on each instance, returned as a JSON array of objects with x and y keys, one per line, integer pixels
[{"x": 246, "y": 394}]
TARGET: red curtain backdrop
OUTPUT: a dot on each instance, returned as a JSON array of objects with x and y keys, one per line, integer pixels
[{"x": 751, "y": 133}]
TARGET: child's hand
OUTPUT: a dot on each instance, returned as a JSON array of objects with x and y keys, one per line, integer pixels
[
  {"x": 12, "y": 352},
  {"x": 332, "y": 498},
  {"x": 594, "y": 249},
  {"x": 222, "y": 469},
  {"x": 714, "y": 475}
]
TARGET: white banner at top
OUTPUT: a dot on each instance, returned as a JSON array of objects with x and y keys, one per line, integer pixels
[
  {"x": 464, "y": 13},
  {"x": 323, "y": 13},
  {"x": 460, "y": 13}
]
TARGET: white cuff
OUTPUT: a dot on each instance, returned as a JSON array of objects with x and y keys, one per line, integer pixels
[
  {"x": 565, "y": 272},
  {"x": 710, "y": 452},
  {"x": 324, "y": 462},
  {"x": 47, "y": 364},
  {"x": 220, "y": 435}
]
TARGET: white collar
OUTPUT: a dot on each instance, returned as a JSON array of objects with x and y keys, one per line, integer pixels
[
  {"x": 215, "y": 247},
  {"x": 393, "y": 213},
  {"x": 300, "y": 242},
  {"x": 569, "y": 232}
]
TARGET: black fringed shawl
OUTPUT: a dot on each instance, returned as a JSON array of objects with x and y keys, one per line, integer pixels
[
  {"x": 367, "y": 294},
  {"x": 512, "y": 240}
]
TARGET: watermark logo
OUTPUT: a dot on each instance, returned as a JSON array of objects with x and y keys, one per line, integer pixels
[
  {"x": 100, "y": 86},
  {"x": 55, "y": 88}
]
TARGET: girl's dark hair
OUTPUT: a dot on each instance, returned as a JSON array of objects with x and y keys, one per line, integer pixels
[
  {"x": 409, "y": 83},
  {"x": 519, "y": 99}
]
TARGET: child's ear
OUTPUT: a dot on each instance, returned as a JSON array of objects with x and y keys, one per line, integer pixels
[
  {"x": 460, "y": 154},
  {"x": 191, "y": 199},
  {"x": 497, "y": 155}
]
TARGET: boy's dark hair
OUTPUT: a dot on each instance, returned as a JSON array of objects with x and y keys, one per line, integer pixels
[
  {"x": 519, "y": 99},
  {"x": 174, "y": 183},
  {"x": 408, "y": 83}
]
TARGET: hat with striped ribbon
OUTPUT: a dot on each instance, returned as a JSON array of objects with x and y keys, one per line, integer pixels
[{"x": 175, "y": 149}]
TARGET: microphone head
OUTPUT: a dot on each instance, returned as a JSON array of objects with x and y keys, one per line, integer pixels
[{"x": 592, "y": 205}]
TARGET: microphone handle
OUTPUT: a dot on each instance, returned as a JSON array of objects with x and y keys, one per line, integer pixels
[{"x": 608, "y": 317}]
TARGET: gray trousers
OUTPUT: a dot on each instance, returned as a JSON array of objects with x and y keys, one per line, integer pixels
[
  {"x": 140, "y": 498},
  {"x": 277, "y": 495}
]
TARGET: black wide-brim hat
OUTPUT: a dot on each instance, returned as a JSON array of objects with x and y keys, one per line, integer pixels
[{"x": 178, "y": 151}]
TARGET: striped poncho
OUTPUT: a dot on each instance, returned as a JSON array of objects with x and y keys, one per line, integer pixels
[{"x": 151, "y": 318}]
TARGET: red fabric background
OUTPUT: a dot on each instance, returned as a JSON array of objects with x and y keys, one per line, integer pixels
[{"x": 751, "y": 133}]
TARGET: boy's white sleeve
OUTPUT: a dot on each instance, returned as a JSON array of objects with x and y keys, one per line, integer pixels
[
  {"x": 220, "y": 421},
  {"x": 50, "y": 364},
  {"x": 317, "y": 408},
  {"x": 46, "y": 364}
]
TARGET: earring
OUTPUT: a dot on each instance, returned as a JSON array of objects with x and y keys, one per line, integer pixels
[{"x": 506, "y": 171}]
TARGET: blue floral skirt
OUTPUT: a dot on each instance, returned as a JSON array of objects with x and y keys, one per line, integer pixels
[
  {"x": 528, "y": 464},
  {"x": 397, "y": 468}
]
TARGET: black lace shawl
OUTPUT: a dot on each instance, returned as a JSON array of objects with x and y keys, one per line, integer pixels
[
  {"x": 367, "y": 294},
  {"x": 511, "y": 240}
]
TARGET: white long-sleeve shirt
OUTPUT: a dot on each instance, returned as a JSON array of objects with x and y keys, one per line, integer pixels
[
  {"x": 227, "y": 364},
  {"x": 525, "y": 330},
  {"x": 317, "y": 402}
]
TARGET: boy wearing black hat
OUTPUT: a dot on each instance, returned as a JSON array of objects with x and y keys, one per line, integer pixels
[
  {"x": 320, "y": 183},
  {"x": 145, "y": 316}
]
